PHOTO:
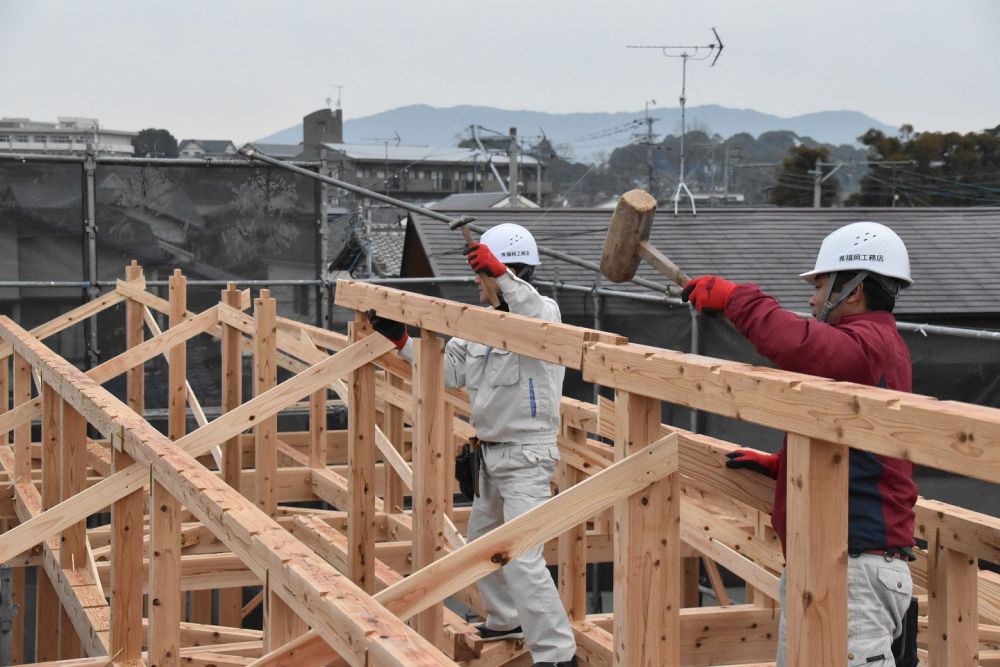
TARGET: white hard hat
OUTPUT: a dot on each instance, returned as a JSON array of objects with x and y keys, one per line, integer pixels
[
  {"x": 512, "y": 244},
  {"x": 863, "y": 246}
]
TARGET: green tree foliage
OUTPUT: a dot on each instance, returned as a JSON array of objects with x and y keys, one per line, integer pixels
[
  {"x": 795, "y": 185},
  {"x": 931, "y": 169},
  {"x": 155, "y": 142}
]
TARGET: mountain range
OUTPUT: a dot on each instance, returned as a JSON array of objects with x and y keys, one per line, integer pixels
[{"x": 585, "y": 137}]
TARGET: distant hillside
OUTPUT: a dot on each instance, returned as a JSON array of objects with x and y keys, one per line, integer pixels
[{"x": 588, "y": 136}]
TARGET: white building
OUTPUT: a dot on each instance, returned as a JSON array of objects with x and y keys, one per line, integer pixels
[{"x": 67, "y": 136}]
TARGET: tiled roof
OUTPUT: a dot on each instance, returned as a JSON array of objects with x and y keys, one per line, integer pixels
[{"x": 954, "y": 252}]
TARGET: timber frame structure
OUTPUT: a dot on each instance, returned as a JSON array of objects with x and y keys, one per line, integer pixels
[{"x": 206, "y": 513}]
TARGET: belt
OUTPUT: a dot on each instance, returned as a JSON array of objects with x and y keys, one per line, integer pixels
[{"x": 888, "y": 555}]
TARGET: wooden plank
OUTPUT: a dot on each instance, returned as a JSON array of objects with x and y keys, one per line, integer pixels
[
  {"x": 127, "y": 514},
  {"x": 959, "y": 529},
  {"x": 66, "y": 320},
  {"x": 74, "y": 480},
  {"x": 429, "y": 484},
  {"x": 947, "y": 435},
  {"x": 47, "y": 626},
  {"x": 573, "y": 543},
  {"x": 816, "y": 594},
  {"x": 395, "y": 489},
  {"x": 549, "y": 341},
  {"x": 361, "y": 469},
  {"x": 317, "y": 429},
  {"x": 22, "y": 432},
  {"x": 164, "y": 520},
  {"x": 952, "y": 614},
  {"x": 231, "y": 599},
  {"x": 647, "y": 556},
  {"x": 265, "y": 377}
]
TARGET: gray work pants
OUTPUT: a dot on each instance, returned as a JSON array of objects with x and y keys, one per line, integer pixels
[
  {"x": 878, "y": 595},
  {"x": 512, "y": 480}
]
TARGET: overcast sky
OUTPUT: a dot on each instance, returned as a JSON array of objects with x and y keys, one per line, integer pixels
[{"x": 243, "y": 69}]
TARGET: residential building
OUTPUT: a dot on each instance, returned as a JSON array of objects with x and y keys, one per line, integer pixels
[
  {"x": 68, "y": 136},
  {"x": 221, "y": 148}
]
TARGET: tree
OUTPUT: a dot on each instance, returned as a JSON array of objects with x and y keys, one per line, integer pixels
[
  {"x": 155, "y": 142},
  {"x": 931, "y": 169},
  {"x": 796, "y": 178}
]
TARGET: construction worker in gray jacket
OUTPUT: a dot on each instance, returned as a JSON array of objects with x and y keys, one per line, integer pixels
[{"x": 515, "y": 411}]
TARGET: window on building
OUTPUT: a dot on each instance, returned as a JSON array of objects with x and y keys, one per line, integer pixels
[
  {"x": 40, "y": 138},
  {"x": 4, "y": 138},
  {"x": 22, "y": 139},
  {"x": 361, "y": 173},
  {"x": 61, "y": 139}
]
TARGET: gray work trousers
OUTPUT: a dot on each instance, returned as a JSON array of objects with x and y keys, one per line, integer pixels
[
  {"x": 878, "y": 595},
  {"x": 512, "y": 480}
]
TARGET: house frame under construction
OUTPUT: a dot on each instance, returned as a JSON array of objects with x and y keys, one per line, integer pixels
[{"x": 197, "y": 517}]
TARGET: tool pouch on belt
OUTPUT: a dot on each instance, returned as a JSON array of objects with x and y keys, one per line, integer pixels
[
  {"x": 467, "y": 468},
  {"x": 904, "y": 648}
]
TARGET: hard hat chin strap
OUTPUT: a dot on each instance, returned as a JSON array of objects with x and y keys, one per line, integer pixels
[{"x": 845, "y": 291}]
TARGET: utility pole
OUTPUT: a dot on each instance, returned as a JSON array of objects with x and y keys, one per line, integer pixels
[
  {"x": 685, "y": 56},
  {"x": 512, "y": 170},
  {"x": 649, "y": 148}
]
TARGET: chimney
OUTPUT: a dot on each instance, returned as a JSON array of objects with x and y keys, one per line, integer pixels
[{"x": 325, "y": 126}]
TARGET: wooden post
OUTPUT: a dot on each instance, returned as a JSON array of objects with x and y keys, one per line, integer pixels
[
  {"x": 573, "y": 543},
  {"x": 361, "y": 468},
  {"x": 231, "y": 599},
  {"x": 265, "y": 376},
  {"x": 952, "y": 596},
  {"x": 47, "y": 639},
  {"x": 22, "y": 432},
  {"x": 317, "y": 429},
  {"x": 164, "y": 520},
  {"x": 394, "y": 489},
  {"x": 816, "y": 577},
  {"x": 431, "y": 437},
  {"x": 127, "y": 514},
  {"x": 16, "y": 573},
  {"x": 647, "y": 555},
  {"x": 73, "y": 549}
]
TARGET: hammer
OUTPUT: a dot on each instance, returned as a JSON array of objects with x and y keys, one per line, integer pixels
[
  {"x": 490, "y": 286},
  {"x": 627, "y": 241}
]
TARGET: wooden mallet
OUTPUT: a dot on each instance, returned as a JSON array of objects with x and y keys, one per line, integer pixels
[
  {"x": 490, "y": 286},
  {"x": 627, "y": 241}
]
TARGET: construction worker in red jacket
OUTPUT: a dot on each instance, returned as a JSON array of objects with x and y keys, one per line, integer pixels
[{"x": 853, "y": 337}]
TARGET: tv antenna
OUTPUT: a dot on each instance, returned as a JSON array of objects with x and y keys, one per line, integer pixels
[
  {"x": 685, "y": 53},
  {"x": 339, "y": 87}
]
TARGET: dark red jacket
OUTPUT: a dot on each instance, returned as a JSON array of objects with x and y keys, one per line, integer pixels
[{"x": 866, "y": 349}]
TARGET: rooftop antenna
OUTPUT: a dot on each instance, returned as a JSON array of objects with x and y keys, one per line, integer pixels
[
  {"x": 339, "y": 87},
  {"x": 395, "y": 139},
  {"x": 686, "y": 52}
]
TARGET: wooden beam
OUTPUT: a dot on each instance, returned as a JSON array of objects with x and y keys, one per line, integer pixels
[
  {"x": 66, "y": 320},
  {"x": 429, "y": 484},
  {"x": 22, "y": 432},
  {"x": 127, "y": 514},
  {"x": 647, "y": 557},
  {"x": 395, "y": 489},
  {"x": 548, "y": 341},
  {"x": 952, "y": 615},
  {"x": 816, "y": 593},
  {"x": 231, "y": 599},
  {"x": 47, "y": 635},
  {"x": 164, "y": 520},
  {"x": 265, "y": 377},
  {"x": 361, "y": 467},
  {"x": 951, "y": 436},
  {"x": 573, "y": 543}
]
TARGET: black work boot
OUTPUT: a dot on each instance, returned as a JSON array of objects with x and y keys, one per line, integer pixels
[
  {"x": 490, "y": 635},
  {"x": 565, "y": 663}
]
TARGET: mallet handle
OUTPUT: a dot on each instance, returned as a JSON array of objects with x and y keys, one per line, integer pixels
[
  {"x": 489, "y": 282},
  {"x": 662, "y": 263}
]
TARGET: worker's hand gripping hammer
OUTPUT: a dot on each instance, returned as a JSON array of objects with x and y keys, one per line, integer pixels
[{"x": 489, "y": 283}]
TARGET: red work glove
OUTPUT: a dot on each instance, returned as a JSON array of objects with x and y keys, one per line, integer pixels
[
  {"x": 391, "y": 329},
  {"x": 751, "y": 459},
  {"x": 708, "y": 294},
  {"x": 482, "y": 260}
]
